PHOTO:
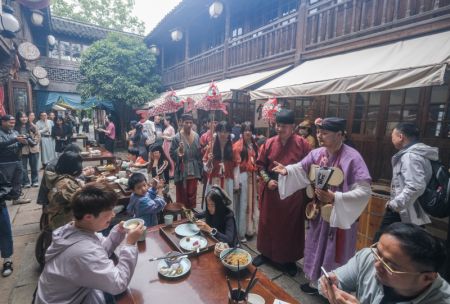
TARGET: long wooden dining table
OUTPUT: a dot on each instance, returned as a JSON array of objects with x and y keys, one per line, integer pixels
[{"x": 205, "y": 282}]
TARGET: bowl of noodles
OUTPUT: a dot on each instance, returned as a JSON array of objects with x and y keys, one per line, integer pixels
[{"x": 237, "y": 256}]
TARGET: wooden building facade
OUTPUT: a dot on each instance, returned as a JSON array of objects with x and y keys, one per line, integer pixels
[{"x": 259, "y": 35}]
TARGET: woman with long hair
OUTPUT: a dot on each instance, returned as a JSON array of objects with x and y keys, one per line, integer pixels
[
  {"x": 130, "y": 134},
  {"x": 159, "y": 163},
  {"x": 245, "y": 154},
  {"x": 218, "y": 159},
  {"x": 168, "y": 134},
  {"x": 140, "y": 140},
  {"x": 30, "y": 151},
  {"x": 219, "y": 218},
  {"x": 61, "y": 133}
]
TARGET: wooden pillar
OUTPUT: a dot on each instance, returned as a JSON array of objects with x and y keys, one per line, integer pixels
[
  {"x": 300, "y": 39},
  {"x": 226, "y": 38},
  {"x": 186, "y": 57}
]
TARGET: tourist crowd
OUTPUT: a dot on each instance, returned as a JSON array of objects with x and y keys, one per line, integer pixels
[{"x": 300, "y": 192}]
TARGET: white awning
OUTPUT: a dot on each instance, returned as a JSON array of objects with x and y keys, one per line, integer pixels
[
  {"x": 409, "y": 63},
  {"x": 225, "y": 86}
]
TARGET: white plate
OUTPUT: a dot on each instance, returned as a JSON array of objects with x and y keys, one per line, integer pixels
[
  {"x": 184, "y": 262},
  {"x": 254, "y": 298},
  {"x": 187, "y": 243},
  {"x": 187, "y": 229}
]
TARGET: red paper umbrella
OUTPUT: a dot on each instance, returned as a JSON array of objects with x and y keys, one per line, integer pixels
[
  {"x": 269, "y": 110},
  {"x": 168, "y": 104},
  {"x": 212, "y": 101}
]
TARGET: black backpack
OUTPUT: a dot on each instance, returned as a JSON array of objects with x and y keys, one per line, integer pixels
[{"x": 435, "y": 199}]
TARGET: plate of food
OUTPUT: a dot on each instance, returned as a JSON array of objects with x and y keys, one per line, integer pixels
[
  {"x": 175, "y": 269},
  {"x": 85, "y": 153},
  {"x": 187, "y": 230},
  {"x": 191, "y": 243},
  {"x": 233, "y": 257}
]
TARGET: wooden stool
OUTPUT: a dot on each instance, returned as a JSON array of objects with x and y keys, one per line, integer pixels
[{"x": 175, "y": 209}]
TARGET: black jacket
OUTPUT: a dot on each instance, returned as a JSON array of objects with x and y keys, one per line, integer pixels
[{"x": 9, "y": 146}]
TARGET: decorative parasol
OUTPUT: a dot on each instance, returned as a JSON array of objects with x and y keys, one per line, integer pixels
[
  {"x": 269, "y": 110},
  {"x": 169, "y": 104},
  {"x": 212, "y": 101}
]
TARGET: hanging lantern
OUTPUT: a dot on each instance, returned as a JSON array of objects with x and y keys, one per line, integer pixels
[
  {"x": 176, "y": 35},
  {"x": 216, "y": 9},
  {"x": 37, "y": 17},
  {"x": 154, "y": 50},
  {"x": 9, "y": 25},
  {"x": 51, "y": 40}
]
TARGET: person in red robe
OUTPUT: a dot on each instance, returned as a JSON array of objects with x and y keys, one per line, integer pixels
[{"x": 281, "y": 230}]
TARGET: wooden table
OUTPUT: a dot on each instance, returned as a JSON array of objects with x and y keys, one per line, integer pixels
[
  {"x": 205, "y": 283},
  {"x": 82, "y": 137},
  {"x": 105, "y": 155}
]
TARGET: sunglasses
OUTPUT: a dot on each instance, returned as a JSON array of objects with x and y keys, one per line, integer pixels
[{"x": 388, "y": 268}]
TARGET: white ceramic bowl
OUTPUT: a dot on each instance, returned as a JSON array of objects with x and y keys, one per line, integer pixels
[
  {"x": 235, "y": 250},
  {"x": 132, "y": 222}
]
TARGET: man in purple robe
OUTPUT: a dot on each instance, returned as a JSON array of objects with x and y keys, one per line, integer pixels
[
  {"x": 281, "y": 230},
  {"x": 329, "y": 244}
]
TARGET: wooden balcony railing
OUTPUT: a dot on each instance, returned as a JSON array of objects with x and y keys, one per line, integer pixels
[
  {"x": 275, "y": 39},
  {"x": 333, "y": 21},
  {"x": 325, "y": 27},
  {"x": 272, "y": 41},
  {"x": 206, "y": 63}
]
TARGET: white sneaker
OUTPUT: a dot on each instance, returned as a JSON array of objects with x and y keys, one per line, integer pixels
[
  {"x": 7, "y": 269},
  {"x": 243, "y": 240}
]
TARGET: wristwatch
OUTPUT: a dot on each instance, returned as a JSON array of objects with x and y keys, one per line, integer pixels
[{"x": 213, "y": 231}]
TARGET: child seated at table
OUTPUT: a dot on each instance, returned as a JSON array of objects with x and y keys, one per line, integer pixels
[
  {"x": 220, "y": 221},
  {"x": 78, "y": 268},
  {"x": 145, "y": 202}
]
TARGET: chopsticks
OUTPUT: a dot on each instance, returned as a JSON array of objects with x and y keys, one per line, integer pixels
[
  {"x": 181, "y": 255},
  {"x": 251, "y": 284},
  {"x": 228, "y": 253}
]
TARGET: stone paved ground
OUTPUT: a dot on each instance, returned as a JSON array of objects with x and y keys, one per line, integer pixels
[{"x": 19, "y": 287}]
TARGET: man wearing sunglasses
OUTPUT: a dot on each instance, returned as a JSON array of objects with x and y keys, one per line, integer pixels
[{"x": 401, "y": 268}]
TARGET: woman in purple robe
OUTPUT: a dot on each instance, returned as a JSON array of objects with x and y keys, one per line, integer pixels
[{"x": 329, "y": 244}]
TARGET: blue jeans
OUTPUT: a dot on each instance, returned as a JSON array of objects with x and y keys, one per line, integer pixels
[
  {"x": 6, "y": 240},
  {"x": 33, "y": 158}
]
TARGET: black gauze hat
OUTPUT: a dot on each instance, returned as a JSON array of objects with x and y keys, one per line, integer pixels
[
  {"x": 333, "y": 124},
  {"x": 7, "y": 117},
  {"x": 285, "y": 116}
]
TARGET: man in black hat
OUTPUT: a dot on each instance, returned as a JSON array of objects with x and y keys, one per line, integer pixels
[
  {"x": 185, "y": 153},
  {"x": 331, "y": 234},
  {"x": 10, "y": 185},
  {"x": 281, "y": 231}
]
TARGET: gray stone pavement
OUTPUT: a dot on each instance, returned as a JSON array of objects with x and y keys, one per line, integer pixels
[{"x": 19, "y": 287}]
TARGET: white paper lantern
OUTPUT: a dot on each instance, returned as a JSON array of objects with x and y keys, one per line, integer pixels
[
  {"x": 9, "y": 25},
  {"x": 154, "y": 50},
  {"x": 51, "y": 40},
  {"x": 37, "y": 17},
  {"x": 176, "y": 35},
  {"x": 216, "y": 9}
]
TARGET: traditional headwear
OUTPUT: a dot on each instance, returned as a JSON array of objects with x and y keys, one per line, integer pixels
[
  {"x": 285, "y": 116},
  {"x": 333, "y": 124},
  {"x": 187, "y": 117}
]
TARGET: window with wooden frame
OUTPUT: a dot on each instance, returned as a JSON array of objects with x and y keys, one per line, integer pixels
[
  {"x": 338, "y": 106},
  {"x": 366, "y": 109},
  {"x": 437, "y": 122},
  {"x": 403, "y": 106}
]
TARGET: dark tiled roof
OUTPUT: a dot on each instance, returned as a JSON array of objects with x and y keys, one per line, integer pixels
[{"x": 77, "y": 29}]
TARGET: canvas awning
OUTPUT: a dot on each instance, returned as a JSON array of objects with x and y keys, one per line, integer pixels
[
  {"x": 46, "y": 99},
  {"x": 409, "y": 63},
  {"x": 225, "y": 86}
]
